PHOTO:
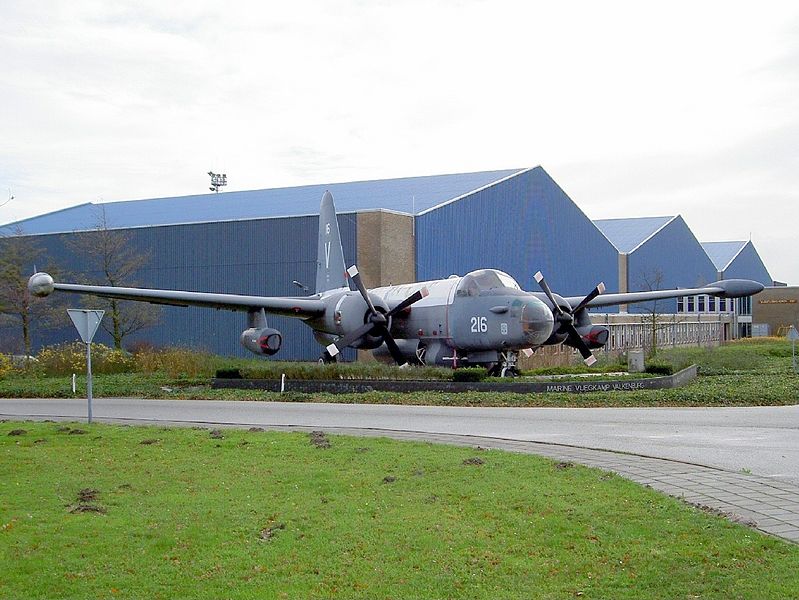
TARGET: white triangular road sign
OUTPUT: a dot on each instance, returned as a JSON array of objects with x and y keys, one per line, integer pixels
[
  {"x": 86, "y": 322},
  {"x": 792, "y": 334}
]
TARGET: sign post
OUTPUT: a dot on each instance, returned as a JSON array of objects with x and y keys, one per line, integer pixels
[
  {"x": 86, "y": 322},
  {"x": 793, "y": 336}
]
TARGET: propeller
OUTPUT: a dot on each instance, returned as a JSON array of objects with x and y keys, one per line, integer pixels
[
  {"x": 565, "y": 318},
  {"x": 376, "y": 323}
]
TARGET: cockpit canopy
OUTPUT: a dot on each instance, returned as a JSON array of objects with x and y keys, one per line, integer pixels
[{"x": 480, "y": 282}]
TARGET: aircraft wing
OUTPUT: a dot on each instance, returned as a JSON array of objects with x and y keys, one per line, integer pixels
[
  {"x": 729, "y": 288},
  {"x": 303, "y": 308}
]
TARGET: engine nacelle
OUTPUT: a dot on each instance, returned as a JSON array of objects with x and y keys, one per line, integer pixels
[
  {"x": 597, "y": 337},
  {"x": 594, "y": 337},
  {"x": 351, "y": 312},
  {"x": 261, "y": 340}
]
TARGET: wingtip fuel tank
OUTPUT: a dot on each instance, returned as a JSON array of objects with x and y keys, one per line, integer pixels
[{"x": 41, "y": 285}]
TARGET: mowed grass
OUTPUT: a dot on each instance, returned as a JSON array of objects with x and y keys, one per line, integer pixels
[{"x": 274, "y": 515}]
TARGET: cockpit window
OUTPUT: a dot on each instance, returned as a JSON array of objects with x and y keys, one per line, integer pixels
[{"x": 477, "y": 282}]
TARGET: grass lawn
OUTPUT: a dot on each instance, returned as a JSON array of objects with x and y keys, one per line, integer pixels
[{"x": 187, "y": 514}]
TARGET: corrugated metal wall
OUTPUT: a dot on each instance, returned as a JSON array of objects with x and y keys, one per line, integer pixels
[
  {"x": 521, "y": 225},
  {"x": 748, "y": 265},
  {"x": 259, "y": 257},
  {"x": 675, "y": 257}
]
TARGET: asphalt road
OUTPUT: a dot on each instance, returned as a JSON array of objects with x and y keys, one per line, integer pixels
[{"x": 760, "y": 440}]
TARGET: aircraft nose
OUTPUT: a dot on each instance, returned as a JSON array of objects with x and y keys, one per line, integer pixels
[{"x": 537, "y": 322}]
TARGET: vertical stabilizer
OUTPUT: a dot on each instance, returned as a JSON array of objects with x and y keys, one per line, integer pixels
[{"x": 330, "y": 269}]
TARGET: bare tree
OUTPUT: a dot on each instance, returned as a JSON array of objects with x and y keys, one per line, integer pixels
[
  {"x": 110, "y": 256},
  {"x": 17, "y": 307},
  {"x": 649, "y": 281}
]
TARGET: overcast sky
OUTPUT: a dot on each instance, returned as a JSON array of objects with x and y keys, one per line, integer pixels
[{"x": 634, "y": 108}]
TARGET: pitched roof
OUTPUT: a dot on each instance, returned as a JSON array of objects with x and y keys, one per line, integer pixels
[
  {"x": 408, "y": 194},
  {"x": 723, "y": 253},
  {"x": 628, "y": 234}
]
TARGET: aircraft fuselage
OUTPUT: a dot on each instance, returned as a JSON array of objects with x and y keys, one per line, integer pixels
[{"x": 451, "y": 316}]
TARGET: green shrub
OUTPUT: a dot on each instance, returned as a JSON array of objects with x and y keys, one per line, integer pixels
[
  {"x": 175, "y": 362},
  {"x": 68, "y": 358},
  {"x": 228, "y": 373},
  {"x": 659, "y": 368},
  {"x": 469, "y": 374},
  {"x": 269, "y": 369},
  {"x": 5, "y": 365}
]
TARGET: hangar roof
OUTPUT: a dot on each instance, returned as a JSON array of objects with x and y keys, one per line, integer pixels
[
  {"x": 408, "y": 194},
  {"x": 628, "y": 234},
  {"x": 723, "y": 253}
]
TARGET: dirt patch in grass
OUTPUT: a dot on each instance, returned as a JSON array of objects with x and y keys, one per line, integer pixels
[
  {"x": 17, "y": 432},
  {"x": 256, "y": 429},
  {"x": 77, "y": 432},
  {"x": 474, "y": 461},
  {"x": 267, "y": 533},
  {"x": 149, "y": 441},
  {"x": 562, "y": 466},
  {"x": 389, "y": 479},
  {"x": 85, "y": 502},
  {"x": 319, "y": 439},
  {"x": 88, "y": 495},
  {"x": 217, "y": 434}
]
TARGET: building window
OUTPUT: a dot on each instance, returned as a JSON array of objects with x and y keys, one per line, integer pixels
[
  {"x": 711, "y": 304},
  {"x": 681, "y": 304},
  {"x": 701, "y": 300},
  {"x": 691, "y": 300},
  {"x": 745, "y": 306}
]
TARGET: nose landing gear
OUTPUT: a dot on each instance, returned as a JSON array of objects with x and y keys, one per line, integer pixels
[{"x": 506, "y": 366}]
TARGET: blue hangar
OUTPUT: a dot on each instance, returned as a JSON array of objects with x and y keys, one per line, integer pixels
[{"x": 395, "y": 230}]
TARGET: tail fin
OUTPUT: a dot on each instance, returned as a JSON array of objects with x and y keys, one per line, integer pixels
[{"x": 330, "y": 268}]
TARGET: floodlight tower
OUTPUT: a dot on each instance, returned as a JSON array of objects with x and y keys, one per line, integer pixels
[{"x": 218, "y": 180}]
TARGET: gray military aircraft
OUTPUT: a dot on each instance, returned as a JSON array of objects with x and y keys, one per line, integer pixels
[{"x": 483, "y": 318}]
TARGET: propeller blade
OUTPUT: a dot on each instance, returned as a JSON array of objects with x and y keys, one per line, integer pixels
[
  {"x": 566, "y": 318},
  {"x": 352, "y": 337},
  {"x": 377, "y": 322},
  {"x": 356, "y": 279},
  {"x": 393, "y": 348},
  {"x": 576, "y": 340},
  {"x": 415, "y": 297},
  {"x": 539, "y": 279},
  {"x": 599, "y": 289}
]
